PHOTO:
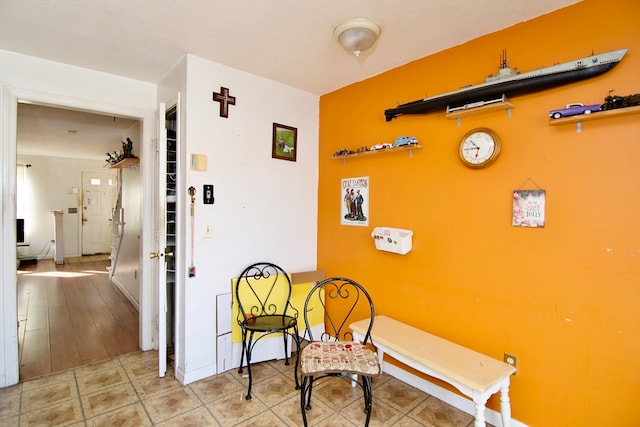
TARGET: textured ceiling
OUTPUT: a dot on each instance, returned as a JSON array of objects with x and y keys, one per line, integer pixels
[{"x": 289, "y": 41}]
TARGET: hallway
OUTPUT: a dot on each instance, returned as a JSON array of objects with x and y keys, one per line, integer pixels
[{"x": 70, "y": 315}]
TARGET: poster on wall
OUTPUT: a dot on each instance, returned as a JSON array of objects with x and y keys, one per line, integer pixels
[
  {"x": 355, "y": 201},
  {"x": 528, "y": 208}
]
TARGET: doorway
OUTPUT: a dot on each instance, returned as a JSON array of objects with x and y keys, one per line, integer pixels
[
  {"x": 8, "y": 146},
  {"x": 69, "y": 314}
]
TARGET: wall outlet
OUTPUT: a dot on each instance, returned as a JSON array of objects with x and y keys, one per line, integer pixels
[{"x": 512, "y": 360}]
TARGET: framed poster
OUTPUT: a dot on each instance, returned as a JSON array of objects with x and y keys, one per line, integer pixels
[
  {"x": 284, "y": 142},
  {"x": 354, "y": 201},
  {"x": 528, "y": 208}
]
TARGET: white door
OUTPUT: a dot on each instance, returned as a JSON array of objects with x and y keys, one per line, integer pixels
[
  {"x": 162, "y": 242},
  {"x": 97, "y": 204},
  {"x": 167, "y": 234}
]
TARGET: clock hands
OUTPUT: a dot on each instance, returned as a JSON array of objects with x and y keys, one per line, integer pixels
[{"x": 475, "y": 147}]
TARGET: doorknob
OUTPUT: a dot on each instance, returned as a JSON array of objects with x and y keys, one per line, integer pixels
[{"x": 154, "y": 255}]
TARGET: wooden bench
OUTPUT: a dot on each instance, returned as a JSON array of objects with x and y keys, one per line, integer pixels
[{"x": 474, "y": 374}]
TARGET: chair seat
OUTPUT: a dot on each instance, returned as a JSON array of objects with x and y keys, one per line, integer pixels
[
  {"x": 338, "y": 357},
  {"x": 269, "y": 322}
]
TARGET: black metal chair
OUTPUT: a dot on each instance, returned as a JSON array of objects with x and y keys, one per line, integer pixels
[
  {"x": 263, "y": 294},
  {"x": 334, "y": 353}
]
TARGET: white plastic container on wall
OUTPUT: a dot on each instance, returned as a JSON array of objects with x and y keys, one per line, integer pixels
[{"x": 394, "y": 240}]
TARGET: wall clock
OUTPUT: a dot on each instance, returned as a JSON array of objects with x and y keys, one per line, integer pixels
[{"x": 479, "y": 148}]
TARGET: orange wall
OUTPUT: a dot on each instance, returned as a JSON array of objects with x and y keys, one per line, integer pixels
[{"x": 565, "y": 298}]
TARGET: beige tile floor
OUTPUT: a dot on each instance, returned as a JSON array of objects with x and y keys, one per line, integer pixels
[{"x": 125, "y": 391}]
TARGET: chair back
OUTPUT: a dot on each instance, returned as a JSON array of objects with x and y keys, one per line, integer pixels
[
  {"x": 344, "y": 301},
  {"x": 263, "y": 289}
]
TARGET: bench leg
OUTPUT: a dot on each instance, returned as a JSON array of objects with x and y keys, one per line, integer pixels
[
  {"x": 380, "y": 357},
  {"x": 505, "y": 406},
  {"x": 479, "y": 414}
]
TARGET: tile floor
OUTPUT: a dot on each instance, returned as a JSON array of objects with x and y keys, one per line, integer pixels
[{"x": 125, "y": 391}]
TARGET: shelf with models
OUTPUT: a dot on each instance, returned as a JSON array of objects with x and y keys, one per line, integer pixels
[
  {"x": 125, "y": 163},
  {"x": 594, "y": 116},
  {"x": 408, "y": 148}
]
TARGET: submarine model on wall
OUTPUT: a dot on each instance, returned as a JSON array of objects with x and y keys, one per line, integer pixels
[{"x": 510, "y": 82}]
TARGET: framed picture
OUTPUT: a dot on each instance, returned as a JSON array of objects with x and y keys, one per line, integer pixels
[
  {"x": 529, "y": 208},
  {"x": 354, "y": 199},
  {"x": 284, "y": 144}
]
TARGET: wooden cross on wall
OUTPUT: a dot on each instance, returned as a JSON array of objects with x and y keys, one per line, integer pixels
[{"x": 225, "y": 100}]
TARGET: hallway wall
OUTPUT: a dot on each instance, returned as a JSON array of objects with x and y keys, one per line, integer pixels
[{"x": 49, "y": 182}]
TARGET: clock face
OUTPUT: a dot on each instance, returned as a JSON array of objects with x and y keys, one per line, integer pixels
[{"x": 479, "y": 148}]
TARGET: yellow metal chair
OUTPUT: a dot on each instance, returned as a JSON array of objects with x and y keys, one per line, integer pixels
[{"x": 263, "y": 297}]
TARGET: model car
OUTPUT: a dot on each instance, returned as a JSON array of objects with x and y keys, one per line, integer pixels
[
  {"x": 405, "y": 140},
  {"x": 574, "y": 110},
  {"x": 381, "y": 146},
  {"x": 342, "y": 152}
]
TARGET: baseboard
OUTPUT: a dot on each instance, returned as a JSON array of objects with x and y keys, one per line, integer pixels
[
  {"x": 198, "y": 374},
  {"x": 447, "y": 396},
  {"x": 126, "y": 293}
]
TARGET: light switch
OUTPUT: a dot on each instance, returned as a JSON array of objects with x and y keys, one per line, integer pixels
[{"x": 207, "y": 194}]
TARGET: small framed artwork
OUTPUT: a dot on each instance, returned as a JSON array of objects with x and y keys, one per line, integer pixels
[
  {"x": 284, "y": 144},
  {"x": 529, "y": 208}
]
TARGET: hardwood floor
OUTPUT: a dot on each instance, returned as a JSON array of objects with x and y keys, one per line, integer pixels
[{"x": 70, "y": 315}]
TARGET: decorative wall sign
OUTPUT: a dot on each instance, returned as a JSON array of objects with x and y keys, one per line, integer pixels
[
  {"x": 284, "y": 142},
  {"x": 355, "y": 201},
  {"x": 225, "y": 100},
  {"x": 529, "y": 208}
]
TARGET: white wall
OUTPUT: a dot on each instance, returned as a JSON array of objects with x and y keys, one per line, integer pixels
[
  {"x": 49, "y": 182},
  {"x": 265, "y": 209},
  {"x": 34, "y": 79},
  {"x": 127, "y": 267}
]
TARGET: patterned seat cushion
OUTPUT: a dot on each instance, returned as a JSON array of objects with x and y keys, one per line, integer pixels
[{"x": 338, "y": 357}]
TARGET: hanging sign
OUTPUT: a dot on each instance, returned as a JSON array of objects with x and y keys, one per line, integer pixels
[{"x": 529, "y": 208}]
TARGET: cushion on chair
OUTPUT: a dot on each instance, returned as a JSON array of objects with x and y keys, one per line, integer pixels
[{"x": 338, "y": 357}]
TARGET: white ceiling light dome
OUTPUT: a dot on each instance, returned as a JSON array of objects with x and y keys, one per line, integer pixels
[{"x": 357, "y": 35}]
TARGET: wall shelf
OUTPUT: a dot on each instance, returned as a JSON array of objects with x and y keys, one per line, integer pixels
[
  {"x": 125, "y": 163},
  {"x": 408, "y": 148},
  {"x": 489, "y": 108},
  {"x": 594, "y": 116}
]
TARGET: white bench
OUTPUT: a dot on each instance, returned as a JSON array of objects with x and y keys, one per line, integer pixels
[{"x": 474, "y": 374}]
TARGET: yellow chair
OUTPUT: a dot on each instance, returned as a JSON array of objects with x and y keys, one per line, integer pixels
[
  {"x": 263, "y": 297},
  {"x": 334, "y": 353}
]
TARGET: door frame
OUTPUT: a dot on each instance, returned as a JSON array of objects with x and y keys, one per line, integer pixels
[{"x": 9, "y": 363}]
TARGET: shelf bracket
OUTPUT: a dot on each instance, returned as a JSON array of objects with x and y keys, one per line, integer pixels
[
  {"x": 509, "y": 113},
  {"x": 458, "y": 121},
  {"x": 578, "y": 126}
]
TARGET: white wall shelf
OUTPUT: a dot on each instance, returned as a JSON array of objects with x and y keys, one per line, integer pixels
[
  {"x": 485, "y": 109},
  {"x": 607, "y": 114},
  {"x": 408, "y": 148}
]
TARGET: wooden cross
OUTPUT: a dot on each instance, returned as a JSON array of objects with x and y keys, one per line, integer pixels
[{"x": 225, "y": 100}]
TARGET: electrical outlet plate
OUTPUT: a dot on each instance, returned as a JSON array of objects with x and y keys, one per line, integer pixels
[{"x": 512, "y": 360}]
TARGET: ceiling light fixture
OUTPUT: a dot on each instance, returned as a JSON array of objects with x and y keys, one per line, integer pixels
[{"x": 357, "y": 35}]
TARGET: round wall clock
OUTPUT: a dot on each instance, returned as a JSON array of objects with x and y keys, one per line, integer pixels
[{"x": 479, "y": 148}]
